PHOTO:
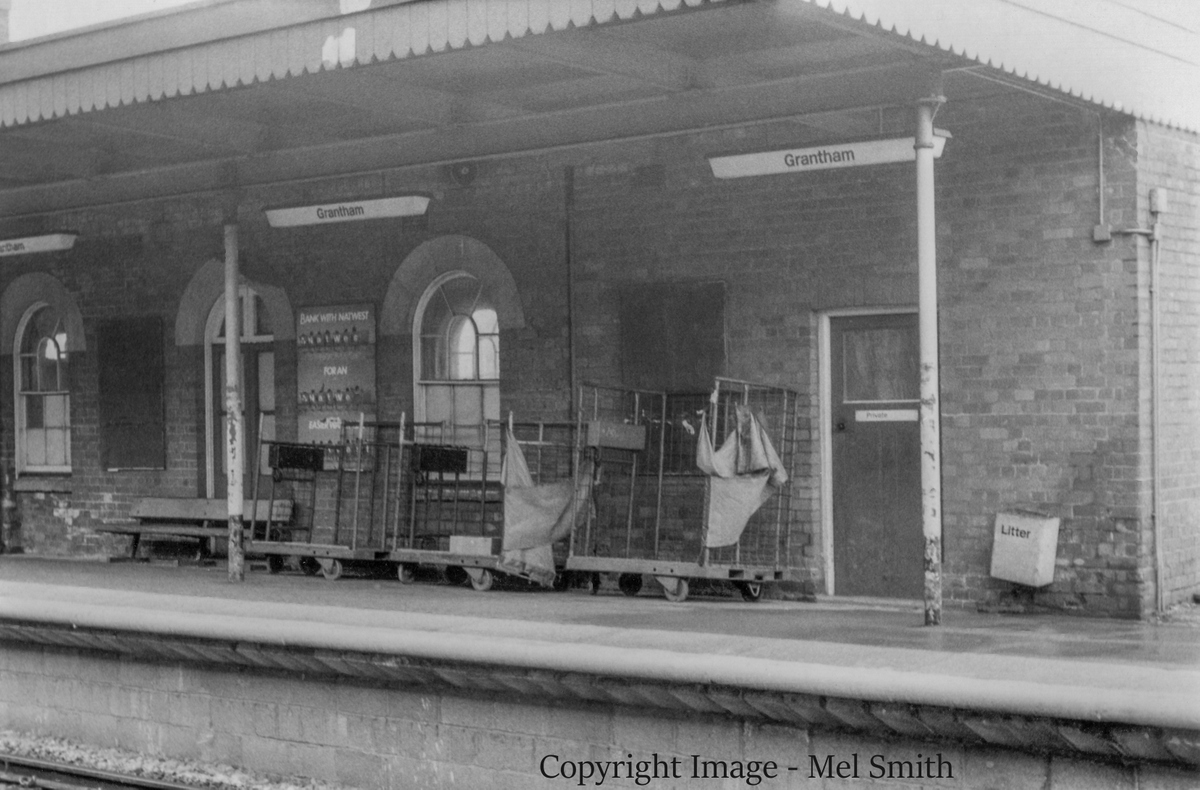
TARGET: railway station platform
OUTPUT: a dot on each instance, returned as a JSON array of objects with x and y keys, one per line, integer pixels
[{"x": 367, "y": 682}]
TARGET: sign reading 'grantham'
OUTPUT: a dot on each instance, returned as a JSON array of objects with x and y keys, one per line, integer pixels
[
  {"x": 348, "y": 211},
  {"x": 824, "y": 157},
  {"x": 53, "y": 242}
]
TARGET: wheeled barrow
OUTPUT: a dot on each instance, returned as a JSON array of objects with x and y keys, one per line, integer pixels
[
  {"x": 470, "y": 515},
  {"x": 348, "y": 499},
  {"x": 706, "y": 496}
]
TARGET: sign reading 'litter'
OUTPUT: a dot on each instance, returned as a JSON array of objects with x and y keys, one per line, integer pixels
[{"x": 1024, "y": 548}]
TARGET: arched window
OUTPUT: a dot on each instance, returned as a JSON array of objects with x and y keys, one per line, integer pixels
[
  {"x": 457, "y": 358},
  {"x": 258, "y": 384},
  {"x": 43, "y": 402}
]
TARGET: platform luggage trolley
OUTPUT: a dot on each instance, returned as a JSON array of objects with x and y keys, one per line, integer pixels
[
  {"x": 688, "y": 487},
  {"x": 349, "y": 496},
  {"x": 495, "y": 504}
]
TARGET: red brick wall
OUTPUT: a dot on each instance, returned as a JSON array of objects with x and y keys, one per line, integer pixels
[
  {"x": 1042, "y": 330},
  {"x": 1039, "y": 335},
  {"x": 140, "y": 259},
  {"x": 1040, "y": 350},
  {"x": 109, "y": 272},
  {"x": 1170, "y": 160}
]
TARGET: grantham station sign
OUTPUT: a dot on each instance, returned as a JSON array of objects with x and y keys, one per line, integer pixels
[{"x": 824, "y": 157}]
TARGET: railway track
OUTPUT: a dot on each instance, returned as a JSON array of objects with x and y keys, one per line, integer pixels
[{"x": 28, "y": 772}]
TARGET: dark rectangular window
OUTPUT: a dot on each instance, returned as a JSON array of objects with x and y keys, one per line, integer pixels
[
  {"x": 673, "y": 335},
  {"x": 673, "y": 341},
  {"x": 132, "y": 411}
]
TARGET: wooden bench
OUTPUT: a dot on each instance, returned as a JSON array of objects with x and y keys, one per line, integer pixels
[{"x": 195, "y": 519}]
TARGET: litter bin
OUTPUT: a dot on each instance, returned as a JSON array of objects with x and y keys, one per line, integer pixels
[{"x": 1024, "y": 547}]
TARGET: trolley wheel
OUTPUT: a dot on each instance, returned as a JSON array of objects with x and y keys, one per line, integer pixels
[
  {"x": 331, "y": 569},
  {"x": 310, "y": 566},
  {"x": 675, "y": 589},
  {"x": 482, "y": 579},
  {"x": 751, "y": 591},
  {"x": 594, "y": 584},
  {"x": 274, "y": 563},
  {"x": 630, "y": 583},
  {"x": 454, "y": 574},
  {"x": 406, "y": 572}
]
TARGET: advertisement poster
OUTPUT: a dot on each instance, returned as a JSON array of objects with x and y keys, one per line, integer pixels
[{"x": 335, "y": 369}]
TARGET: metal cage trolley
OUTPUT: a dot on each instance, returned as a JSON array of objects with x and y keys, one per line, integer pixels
[
  {"x": 458, "y": 500},
  {"x": 349, "y": 496},
  {"x": 689, "y": 487}
]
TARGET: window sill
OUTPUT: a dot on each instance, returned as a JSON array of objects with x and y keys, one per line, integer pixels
[{"x": 45, "y": 484}]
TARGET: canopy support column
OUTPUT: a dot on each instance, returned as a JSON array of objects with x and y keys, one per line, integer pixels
[
  {"x": 927, "y": 308},
  {"x": 234, "y": 430}
]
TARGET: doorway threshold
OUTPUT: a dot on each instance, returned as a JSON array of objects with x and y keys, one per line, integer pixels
[{"x": 866, "y": 602}]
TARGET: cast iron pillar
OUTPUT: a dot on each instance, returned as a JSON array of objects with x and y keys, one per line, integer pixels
[
  {"x": 234, "y": 430},
  {"x": 927, "y": 308}
]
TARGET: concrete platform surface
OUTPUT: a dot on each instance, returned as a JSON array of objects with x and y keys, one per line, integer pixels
[{"x": 1036, "y": 664}]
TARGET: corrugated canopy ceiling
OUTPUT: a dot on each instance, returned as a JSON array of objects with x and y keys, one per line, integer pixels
[
  {"x": 1141, "y": 57},
  {"x": 270, "y": 89}
]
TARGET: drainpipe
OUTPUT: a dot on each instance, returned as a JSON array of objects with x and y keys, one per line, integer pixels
[
  {"x": 927, "y": 321},
  {"x": 1157, "y": 204},
  {"x": 234, "y": 430},
  {"x": 1153, "y": 234},
  {"x": 569, "y": 215}
]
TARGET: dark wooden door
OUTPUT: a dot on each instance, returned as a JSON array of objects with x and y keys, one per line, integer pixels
[{"x": 878, "y": 548}]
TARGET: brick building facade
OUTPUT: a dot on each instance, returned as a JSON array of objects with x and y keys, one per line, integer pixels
[{"x": 1045, "y": 332}]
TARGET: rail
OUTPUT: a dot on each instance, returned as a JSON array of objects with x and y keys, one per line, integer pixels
[{"x": 21, "y": 771}]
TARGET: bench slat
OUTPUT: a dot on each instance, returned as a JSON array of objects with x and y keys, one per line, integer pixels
[
  {"x": 181, "y": 530},
  {"x": 202, "y": 519},
  {"x": 172, "y": 509}
]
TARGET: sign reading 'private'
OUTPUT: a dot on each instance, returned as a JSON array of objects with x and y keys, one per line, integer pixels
[
  {"x": 348, "y": 211},
  {"x": 825, "y": 157}
]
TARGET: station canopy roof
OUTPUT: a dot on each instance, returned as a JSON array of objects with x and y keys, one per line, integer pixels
[{"x": 253, "y": 91}]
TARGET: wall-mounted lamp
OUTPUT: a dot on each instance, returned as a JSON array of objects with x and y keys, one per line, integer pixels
[{"x": 1158, "y": 205}]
